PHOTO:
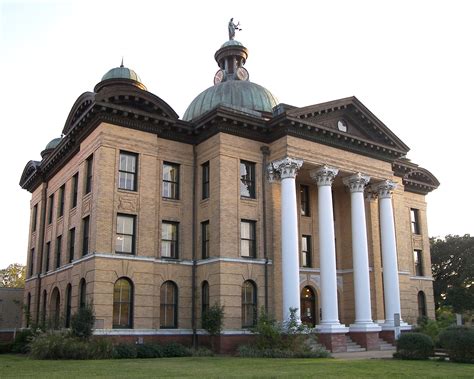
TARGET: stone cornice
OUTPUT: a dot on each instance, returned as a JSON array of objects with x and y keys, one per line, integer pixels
[{"x": 415, "y": 179}]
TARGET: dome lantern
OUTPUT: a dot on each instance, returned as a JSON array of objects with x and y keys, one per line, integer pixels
[{"x": 120, "y": 75}]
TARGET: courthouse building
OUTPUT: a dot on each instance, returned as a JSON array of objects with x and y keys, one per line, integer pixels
[{"x": 244, "y": 201}]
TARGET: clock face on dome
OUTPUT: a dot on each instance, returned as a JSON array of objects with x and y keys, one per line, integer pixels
[
  {"x": 219, "y": 77},
  {"x": 242, "y": 74}
]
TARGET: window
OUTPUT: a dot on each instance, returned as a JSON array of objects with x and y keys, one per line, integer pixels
[
  {"x": 418, "y": 259},
  {"x": 88, "y": 181},
  {"x": 82, "y": 293},
  {"x": 308, "y": 307},
  {"x": 415, "y": 221},
  {"x": 247, "y": 239},
  {"x": 28, "y": 310},
  {"x": 85, "y": 236},
  {"x": 204, "y": 297},
  {"x": 67, "y": 322},
  {"x": 421, "y": 304},
  {"x": 306, "y": 251},
  {"x": 128, "y": 171},
  {"x": 59, "y": 241},
  {"x": 125, "y": 237},
  {"x": 205, "y": 239},
  {"x": 304, "y": 198},
  {"x": 50, "y": 209},
  {"x": 61, "y": 201},
  {"x": 249, "y": 304},
  {"x": 75, "y": 185},
  {"x": 43, "y": 315},
  {"x": 34, "y": 217},
  {"x": 168, "y": 305},
  {"x": 55, "y": 308},
  {"x": 170, "y": 180},
  {"x": 205, "y": 180},
  {"x": 32, "y": 260},
  {"x": 48, "y": 251},
  {"x": 169, "y": 239},
  {"x": 247, "y": 179},
  {"x": 71, "y": 244},
  {"x": 123, "y": 303}
]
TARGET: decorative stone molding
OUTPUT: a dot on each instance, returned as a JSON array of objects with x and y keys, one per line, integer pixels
[
  {"x": 284, "y": 168},
  {"x": 128, "y": 203},
  {"x": 356, "y": 182},
  {"x": 384, "y": 188},
  {"x": 324, "y": 176}
]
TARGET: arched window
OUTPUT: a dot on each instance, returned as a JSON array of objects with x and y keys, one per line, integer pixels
[
  {"x": 308, "y": 306},
  {"x": 43, "y": 316},
  {"x": 82, "y": 293},
  {"x": 249, "y": 304},
  {"x": 55, "y": 307},
  {"x": 123, "y": 303},
  {"x": 168, "y": 305},
  {"x": 421, "y": 304},
  {"x": 204, "y": 297},
  {"x": 67, "y": 322},
  {"x": 28, "y": 310}
]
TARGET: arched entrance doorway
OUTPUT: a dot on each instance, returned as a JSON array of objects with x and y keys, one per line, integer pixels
[
  {"x": 55, "y": 308},
  {"x": 308, "y": 307}
]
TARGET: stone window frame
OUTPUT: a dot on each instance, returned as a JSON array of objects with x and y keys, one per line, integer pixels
[
  {"x": 248, "y": 181},
  {"x": 174, "y": 184},
  {"x": 206, "y": 175},
  {"x": 123, "y": 234},
  {"x": 173, "y": 242},
  {"x": 126, "y": 173},
  {"x": 122, "y": 304},
  {"x": 252, "y": 238}
]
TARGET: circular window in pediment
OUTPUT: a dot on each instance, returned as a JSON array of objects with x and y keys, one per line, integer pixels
[{"x": 342, "y": 125}]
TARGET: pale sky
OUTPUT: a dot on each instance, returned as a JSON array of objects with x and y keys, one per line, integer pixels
[{"x": 410, "y": 62}]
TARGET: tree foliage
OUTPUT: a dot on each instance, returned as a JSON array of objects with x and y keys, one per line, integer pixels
[
  {"x": 13, "y": 276},
  {"x": 452, "y": 260}
]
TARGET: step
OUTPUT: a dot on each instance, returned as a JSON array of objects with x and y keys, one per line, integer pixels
[
  {"x": 353, "y": 347},
  {"x": 384, "y": 345}
]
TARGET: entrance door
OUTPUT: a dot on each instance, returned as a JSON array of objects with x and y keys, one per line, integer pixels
[{"x": 308, "y": 307}]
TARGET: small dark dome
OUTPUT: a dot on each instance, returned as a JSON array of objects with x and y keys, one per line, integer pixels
[
  {"x": 50, "y": 146},
  {"x": 120, "y": 75}
]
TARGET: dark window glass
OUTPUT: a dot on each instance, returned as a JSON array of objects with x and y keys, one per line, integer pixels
[
  {"x": 128, "y": 171},
  {"x": 61, "y": 201},
  {"x": 125, "y": 238},
  {"x": 205, "y": 180},
  {"x": 28, "y": 310},
  {"x": 170, "y": 180},
  {"x": 308, "y": 307},
  {"x": 169, "y": 239},
  {"x": 422, "y": 304},
  {"x": 55, "y": 308},
  {"x": 71, "y": 244},
  {"x": 306, "y": 251},
  {"x": 32, "y": 261},
  {"x": 418, "y": 259},
  {"x": 34, "y": 218},
  {"x": 247, "y": 179},
  {"x": 43, "y": 314},
  {"x": 85, "y": 236},
  {"x": 247, "y": 239},
  {"x": 168, "y": 305},
  {"x": 50, "y": 208},
  {"x": 123, "y": 304},
  {"x": 75, "y": 186},
  {"x": 205, "y": 239},
  {"x": 249, "y": 304},
  {"x": 67, "y": 322},
  {"x": 82, "y": 293},
  {"x": 48, "y": 251},
  {"x": 89, "y": 167},
  {"x": 59, "y": 241},
  {"x": 415, "y": 221},
  {"x": 304, "y": 197},
  {"x": 204, "y": 297}
]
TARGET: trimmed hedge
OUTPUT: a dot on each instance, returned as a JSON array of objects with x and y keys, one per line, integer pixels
[
  {"x": 6, "y": 347},
  {"x": 249, "y": 351},
  {"x": 459, "y": 341},
  {"x": 414, "y": 346}
]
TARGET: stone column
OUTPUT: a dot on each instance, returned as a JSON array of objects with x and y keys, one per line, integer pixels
[
  {"x": 363, "y": 312},
  {"x": 286, "y": 169},
  {"x": 324, "y": 178},
  {"x": 389, "y": 251}
]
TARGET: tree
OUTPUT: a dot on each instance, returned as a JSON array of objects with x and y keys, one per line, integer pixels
[
  {"x": 213, "y": 321},
  {"x": 452, "y": 262},
  {"x": 13, "y": 276}
]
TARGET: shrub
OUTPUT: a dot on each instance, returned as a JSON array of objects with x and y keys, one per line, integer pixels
[
  {"x": 415, "y": 346},
  {"x": 124, "y": 351},
  {"x": 269, "y": 332},
  {"x": 201, "y": 352},
  {"x": 22, "y": 341},
  {"x": 459, "y": 341},
  {"x": 175, "y": 350},
  {"x": 249, "y": 351},
  {"x": 149, "y": 350},
  {"x": 6, "y": 347},
  {"x": 82, "y": 322},
  {"x": 212, "y": 319}
]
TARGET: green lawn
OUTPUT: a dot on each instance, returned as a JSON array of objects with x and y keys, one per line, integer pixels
[{"x": 16, "y": 366}]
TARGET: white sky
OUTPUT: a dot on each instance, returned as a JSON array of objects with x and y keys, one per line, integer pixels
[{"x": 410, "y": 62}]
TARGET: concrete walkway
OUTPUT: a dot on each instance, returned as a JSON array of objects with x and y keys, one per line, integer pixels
[{"x": 384, "y": 354}]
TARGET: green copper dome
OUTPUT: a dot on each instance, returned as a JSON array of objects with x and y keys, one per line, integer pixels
[
  {"x": 53, "y": 143},
  {"x": 121, "y": 73},
  {"x": 240, "y": 94}
]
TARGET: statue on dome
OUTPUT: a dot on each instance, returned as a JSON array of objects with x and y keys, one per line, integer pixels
[{"x": 232, "y": 28}]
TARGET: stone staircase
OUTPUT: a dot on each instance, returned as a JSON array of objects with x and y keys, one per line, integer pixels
[
  {"x": 314, "y": 345},
  {"x": 353, "y": 347},
  {"x": 384, "y": 345}
]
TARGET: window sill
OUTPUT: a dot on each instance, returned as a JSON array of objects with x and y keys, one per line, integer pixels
[{"x": 125, "y": 190}]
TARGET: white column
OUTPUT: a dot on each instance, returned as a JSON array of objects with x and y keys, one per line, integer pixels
[
  {"x": 389, "y": 252},
  {"x": 324, "y": 178},
  {"x": 360, "y": 258},
  {"x": 286, "y": 169}
]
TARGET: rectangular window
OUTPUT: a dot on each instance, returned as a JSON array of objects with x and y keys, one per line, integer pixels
[
  {"x": 46, "y": 260},
  {"x": 34, "y": 218},
  {"x": 169, "y": 239},
  {"x": 89, "y": 167},
  {"x": 128, "y": 171},
  {"x": 61, "y": 201},
  {"x": 247, "y": 179},
  {"x": 170, "y": 180},
  {"x": 205, "y": 239},
  {"x": 85, "y": 236},
  {"x": 418, "y": 259},
  {"x": 205, "y": 180},
  {"x": 71, "y": 244},
  {"x": 415, "y": 221},
  {"x": 304, "y": 198},
  {"x": 32, "y": 261},
  {"x": 59, "y": 241},
  {"x": 125, "y": 237},
  {"x": 247, "y": 239},
  {"x": 50, "y": 208},
  {"x": 306, "y": 251},
  {"x": 75, "y": 185}
]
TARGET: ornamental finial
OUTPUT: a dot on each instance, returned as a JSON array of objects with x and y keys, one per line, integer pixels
[{"x": 232, "y": 28}]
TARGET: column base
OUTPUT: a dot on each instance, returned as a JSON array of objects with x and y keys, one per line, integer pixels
[
  {"x": 334, "y": 342},
  {"x": 364, "y": 328},
  {"x": 331, "y": 328},
  {"x": 390, "y": 325}
]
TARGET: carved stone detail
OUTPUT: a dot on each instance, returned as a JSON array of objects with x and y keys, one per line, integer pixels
[
  {"x": 356, "y": 182},
  {"x": 86, "y": 206},
  {"x": 324, "y": 176},
  {"x": 284, "y": 168},
  {"x": 128, "y": 204}
]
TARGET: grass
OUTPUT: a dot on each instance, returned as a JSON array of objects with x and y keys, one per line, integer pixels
[{"x": 12, "y": 366}]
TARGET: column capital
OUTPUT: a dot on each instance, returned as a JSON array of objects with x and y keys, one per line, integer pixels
[
  {"x": 284, "y": 168},
  {"x": 356, "y": 182},
  {"x": 384, "y": 188},
  {"x": 324, "y": 176}
]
